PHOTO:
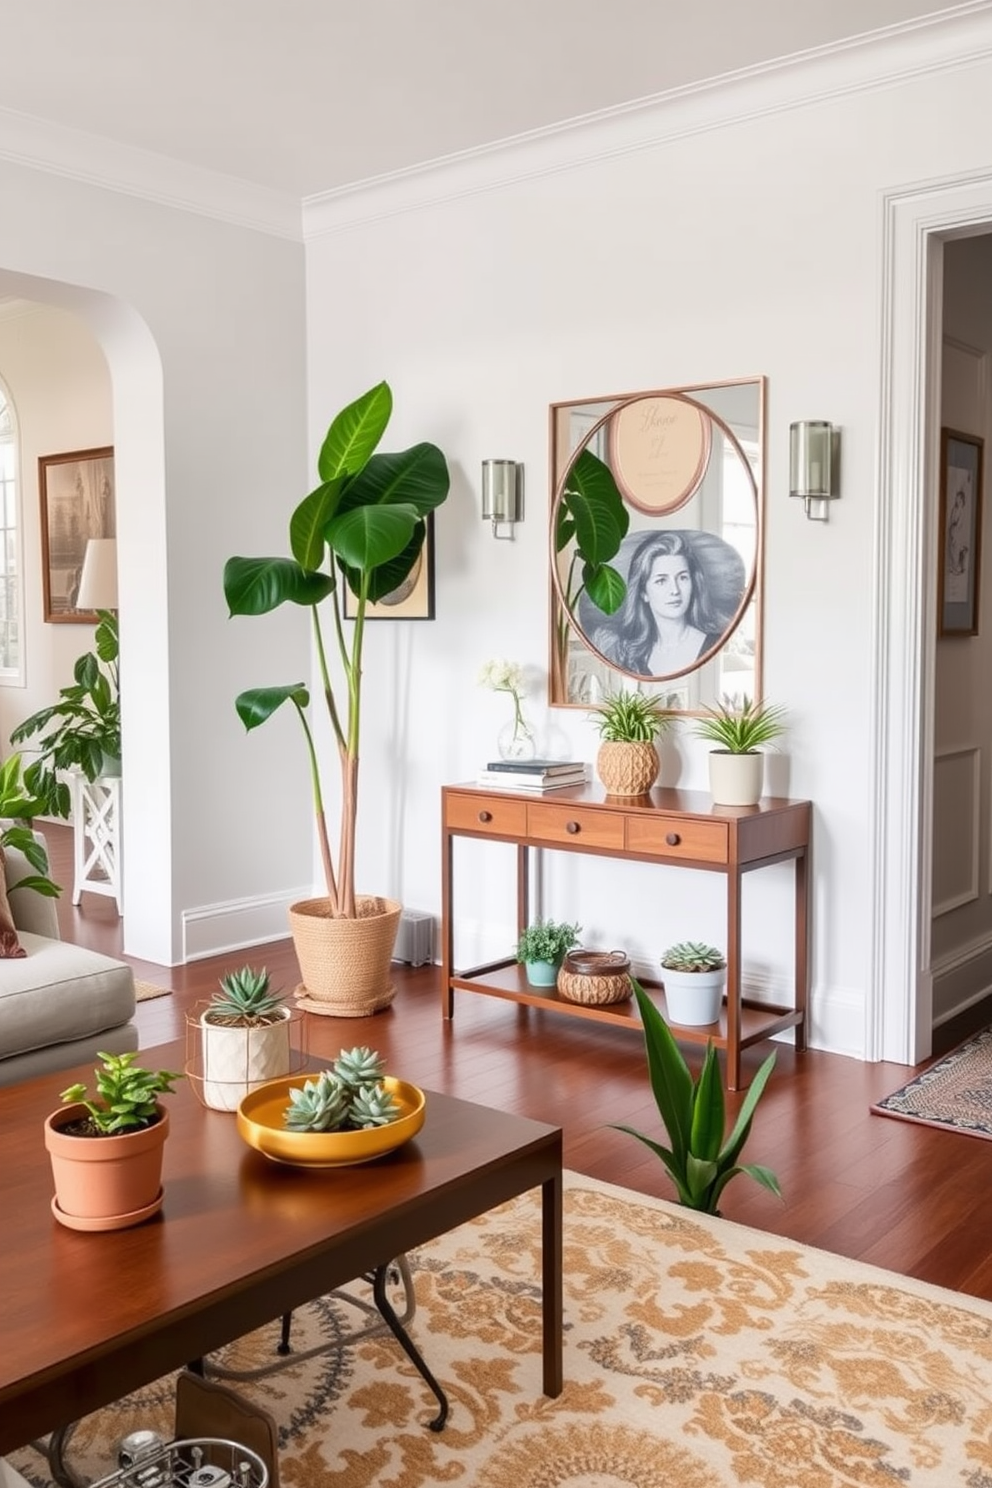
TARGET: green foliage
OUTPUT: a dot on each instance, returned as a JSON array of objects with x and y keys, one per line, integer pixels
[
  {"x": 17, "y": 807},
  {"x": 743, "y": 729},
  {"x": 349, "y": 1097},
  {"x": 127, "y": 1094},
  {"x": 82, "y": 728},
  {"x": 363, "y": 526},
  {"x": 699, "y": 1161},
  {"x": 593, "y": 518},
  {"x": 245, "y": 999},
  {"x": 631, "y": 718},
  {"x": 547, "y": 940},
  {"x": 693, "y": 955}
]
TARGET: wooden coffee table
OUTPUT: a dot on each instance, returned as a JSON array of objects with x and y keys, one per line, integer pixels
[{"x": 86, "y": 1318}]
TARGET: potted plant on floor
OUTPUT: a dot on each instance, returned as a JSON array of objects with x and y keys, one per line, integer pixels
[
  {"x": 737, "y": 766},
  {"x": 362, "y": 527},
  {"x": 82, "y": 731},
  {"x": 699, "y": 1161},
  {"x": 694, "y": 976},
  {"x": 244, "y": 1036},
  {"x": 627, "y": 761},
  {"x": 541, "y": 948},
  {"x": 106, "y": 1152}
]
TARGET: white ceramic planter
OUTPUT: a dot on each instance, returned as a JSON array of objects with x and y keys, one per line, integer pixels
[
  {"x": 694, "y": 998},
  {"x": 237, "y": 1060},
  {"x": 736, "y": 779}
]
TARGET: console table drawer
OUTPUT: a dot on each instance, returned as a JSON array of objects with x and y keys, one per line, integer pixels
[
  {"x": 485, "y": 814},
  {"x": 573, "y": 827},
  {"x": 673, "y": 836}
]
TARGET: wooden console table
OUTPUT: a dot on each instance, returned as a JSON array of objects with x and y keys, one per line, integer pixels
[{"x": 682, "y": 829}]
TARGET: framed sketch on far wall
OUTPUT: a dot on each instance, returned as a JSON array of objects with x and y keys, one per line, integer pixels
[
  {"x": 413, "y": 599},
  {"x": 77, "y": 503},
  {"x": 960, "y": 546}
]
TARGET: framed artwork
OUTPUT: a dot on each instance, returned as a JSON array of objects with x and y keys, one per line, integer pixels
[
  {"x": 960, "y": 545},
  {"x": 77, "y": 503},
  {"x": 414, "y": 599}
]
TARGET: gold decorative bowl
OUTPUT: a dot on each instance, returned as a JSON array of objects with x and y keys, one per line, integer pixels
[{"x": 261, "y": 1123}]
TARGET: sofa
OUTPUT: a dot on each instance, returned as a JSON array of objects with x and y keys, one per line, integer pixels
[{"x": 60, "y": 1004}]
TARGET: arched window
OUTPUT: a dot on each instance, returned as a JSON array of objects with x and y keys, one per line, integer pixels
[{"x": 10, "y": 575}]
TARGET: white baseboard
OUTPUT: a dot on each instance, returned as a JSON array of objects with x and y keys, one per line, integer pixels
[{"x": 216, "y": 929}]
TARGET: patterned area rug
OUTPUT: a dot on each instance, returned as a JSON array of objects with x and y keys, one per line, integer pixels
[
  {"x": 145, "y": 991},
  {"x": 955, "y": 1092},
  {"x": 698, "y": 1353}
]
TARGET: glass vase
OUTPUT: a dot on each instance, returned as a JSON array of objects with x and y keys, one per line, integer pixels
[{"x": 515, "y": 740}]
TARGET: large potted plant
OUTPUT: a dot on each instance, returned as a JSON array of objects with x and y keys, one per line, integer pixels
[
  {"x": 244, "y": 1034},
  {"x": 738, "y": 732},
  {"x": 106, "y": 1151},
  {"x": 627, "y": 761},
  {"x": 82, "y": 731},
  {"x": 700, "y": 1162},
  {"x": 363, "y": 527}
]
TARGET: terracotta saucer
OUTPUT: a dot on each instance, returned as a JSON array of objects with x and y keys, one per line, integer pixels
[{"x": 108, "y": 1222}]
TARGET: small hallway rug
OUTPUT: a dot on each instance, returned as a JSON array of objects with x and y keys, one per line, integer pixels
[
  {"x": 955, "y": 1092},
  {"x": 146, "y": 991},
  {"x": 698, "y": 1354}
]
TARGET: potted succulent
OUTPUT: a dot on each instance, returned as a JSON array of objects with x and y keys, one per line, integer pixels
[
  {"x": 363, "y": 527},
  {"x": 627, "y": 761},
  {"x": 694, "y": 979},
  {"x": 244, "y": 1036},
  {"x": 739, "y": 731},
  {"x": 82, "y": 731},
  {"x": 699, "y": 1161},
  {"x": 541, "y": 949},
  {"x": 352, "y": 1096},
  {"x": 106, "y": 1152}
]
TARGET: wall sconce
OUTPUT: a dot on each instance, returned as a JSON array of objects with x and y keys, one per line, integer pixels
[
  {"x": 502, "y": 494},
  {"x": 814, "y": 464}
]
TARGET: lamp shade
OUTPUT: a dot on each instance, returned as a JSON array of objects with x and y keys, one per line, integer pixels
[{"x": 98, "y": 581}]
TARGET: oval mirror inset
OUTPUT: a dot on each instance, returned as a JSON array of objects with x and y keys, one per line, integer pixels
[{"x": 659, "y": 450}]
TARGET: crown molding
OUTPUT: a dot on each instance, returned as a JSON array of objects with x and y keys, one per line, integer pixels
[
  {"x": 97, "y": 161},
  {"x": 882, "y": 59}
]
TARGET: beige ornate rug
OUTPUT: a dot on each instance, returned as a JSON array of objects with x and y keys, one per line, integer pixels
[
  {"x": 145, "y": 991},
  {"x": 698, "y": 1354},
  {"x": 955, "y": 1092}
]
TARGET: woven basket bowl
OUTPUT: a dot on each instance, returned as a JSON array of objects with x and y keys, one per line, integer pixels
[
  {"x": 345, "y": 964},
  {"x": 627, "y": 769},
  {"x": 595, "y": 978}
]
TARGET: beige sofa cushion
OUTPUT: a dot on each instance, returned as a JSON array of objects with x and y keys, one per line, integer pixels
[{"x": 60, "y": 992}]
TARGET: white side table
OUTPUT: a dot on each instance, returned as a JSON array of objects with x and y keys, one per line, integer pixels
[{"x": 96, "y": 836}]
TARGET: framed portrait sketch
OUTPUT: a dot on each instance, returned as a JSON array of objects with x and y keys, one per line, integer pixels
[
  {"x": 77, "y": 503},
  {"x": 960, "y": 545},
  {"x": 413, "y": 599}
]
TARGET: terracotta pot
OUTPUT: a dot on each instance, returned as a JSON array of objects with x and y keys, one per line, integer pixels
[
  {"x": 345, "y": 964},
  {"x": 105, "y": 1183},
  {"x": 627, "y": 769},
  {"x": 237, "y": 1059}
]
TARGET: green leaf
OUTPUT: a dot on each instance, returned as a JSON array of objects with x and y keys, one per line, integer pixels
[
  {"x": 370, "y": 536},
  {"x": 708, "y": 1110},
  {"x": 254, "y": 586},
  {"x": 355, "y": 432},
  {"x": 675, "y": 1169},
  {"x": 605, "y": 587},
  {"x": 742, "y": 1126},
  {"x": 593, "y": 500},
  {"x": 671, "y": 1082},
  {"x": 306, "y": 525},
  {"x": 389, "y": 576},
  {"x": 416, "y": 477},
  {"x": 258, "y": 704},
  {"x": 700, "y": 1176}
]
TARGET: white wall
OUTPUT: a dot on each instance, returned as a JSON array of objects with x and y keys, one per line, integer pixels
[
  {"x": 746, "y": 247},
  {"x": 202, "y": 323},
  {"x": 59, "y": 383}
]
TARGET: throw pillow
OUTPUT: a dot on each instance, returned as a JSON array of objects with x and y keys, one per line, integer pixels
[{"x": 10, "y": 946}]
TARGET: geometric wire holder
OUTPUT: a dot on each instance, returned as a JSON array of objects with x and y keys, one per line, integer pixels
[{"x": 298, "y": 1029}]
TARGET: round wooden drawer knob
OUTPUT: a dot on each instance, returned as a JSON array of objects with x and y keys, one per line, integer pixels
[
  {"x": 572, "y": 827},
  {"x": 673, "y": 839},
  {"x": 485, "y": 816}
]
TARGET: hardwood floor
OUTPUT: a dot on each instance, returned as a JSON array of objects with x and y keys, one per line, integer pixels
[{"x": 907, "y": 1197}]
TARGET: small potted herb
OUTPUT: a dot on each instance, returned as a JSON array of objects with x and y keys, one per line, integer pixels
[
  {"x": 739, "y": 731},
  {"x": 627, "y": 762},
  {"x": 693, "y": 975},
  {"x": 700, "y": 1162},
  {"x": 541, "y": 949},
  {"x": 244, "y": 1034},
  {"x": 106, "y": 1151}
]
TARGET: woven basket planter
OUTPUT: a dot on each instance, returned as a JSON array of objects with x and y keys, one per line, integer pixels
[
  {"x": 595, "y": 978},
  {"x": 627, "y": 769},
  {"x": 345, "y": 964}
]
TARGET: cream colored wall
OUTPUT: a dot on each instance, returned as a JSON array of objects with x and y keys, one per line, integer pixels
[{"x": 59, "y": 383}]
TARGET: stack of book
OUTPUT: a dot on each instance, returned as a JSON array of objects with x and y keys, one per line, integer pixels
[{"x": 534, "y": 774}]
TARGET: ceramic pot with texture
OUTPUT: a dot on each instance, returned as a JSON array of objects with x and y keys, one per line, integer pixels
[{"x": 345, "y": 964}]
